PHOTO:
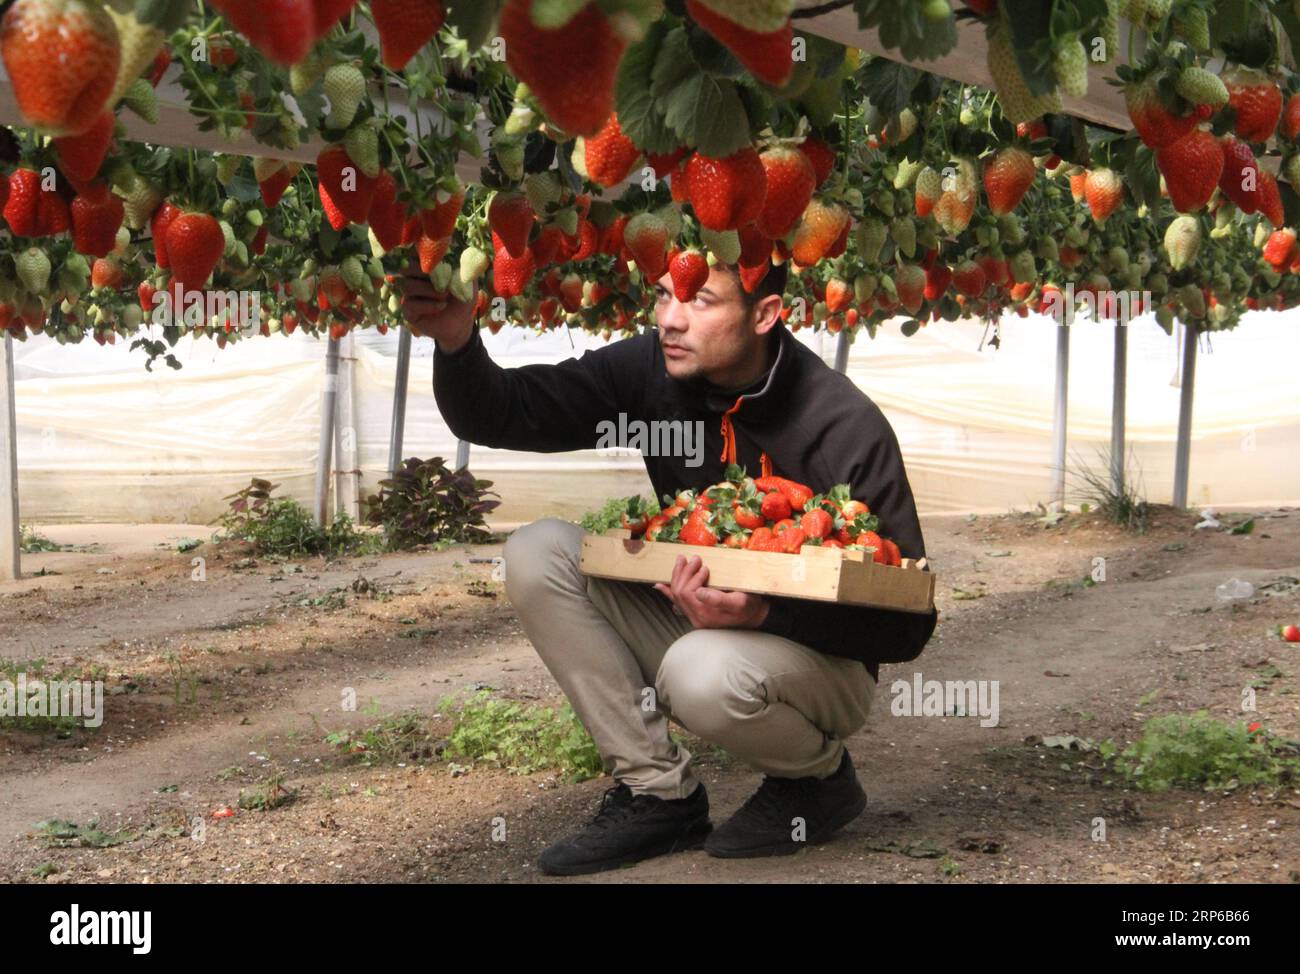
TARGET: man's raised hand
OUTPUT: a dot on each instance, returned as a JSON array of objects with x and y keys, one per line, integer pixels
[{"x": 442, "y": 317}]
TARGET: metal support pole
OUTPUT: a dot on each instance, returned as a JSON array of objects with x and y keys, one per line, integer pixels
[
  {"x": 842, "y": 353},
  {"x": 10, "y": 539},
  {"x": 1119, "y": 391},
  {"x": 462, "y": 454},
  {"x": 329, "y": 393},
  {"x": 1059, "y": 411},
  {"x": 399, "y": 400},
  {"x": 347, "y": 451},
  {"x": 1183, "y": 448}
]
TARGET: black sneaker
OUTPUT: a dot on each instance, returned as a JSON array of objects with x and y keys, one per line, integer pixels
[
  {"x": 764, "y": 825},
  {"x": 629, "y": 828}
]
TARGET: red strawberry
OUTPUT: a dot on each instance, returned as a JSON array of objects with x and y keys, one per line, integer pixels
[
  {"x": 767, "y": 56},
  {"x": 821, "y": 155},
  {"x": 818, "y": 231},
  {"x": 790, "y": 182},
  {"x": 937, "y": 279},
  {"x": 1270, "y": 199},
  {"x": 336, "y": 218},
  {"x": 869, "y": 539},
  {"x": 588, "y": 241},
  {"x": 817, "y": 523},
  {"x": 609, "y": 154},
  {"x": 893, "y": 555},
  {"x": 259, "y": 240},
  {"x": 81, "y": 156},
  {"x": 689, "y": 271},
  {"x": 106, "y": 272},
  {"x": 665, "y": 162},
  {"x": 909, "y": 283},
  {"x": 839, "y": 294},
  {"x": 1291, "y": 117},
  {"x": 387, "y": 216},
  {"x": 752, "y": 276},
  {"x": 146, "y": 292},
  {"x": 1240, "y": 170},
  {"x": 439, "y": 220},
  {"x": 1104, "y": 191},
  {"x": 158, "y": 225},
  {"x": 350, "y": 189},
  {"x": 404, "y": 27},
  {"x": 570, "y": 70},
  {"x": 1155, "y": 123},
  {"x": 1280, "y": 248},
  {"x": 161, "y": 62},
  {"x": 274, "y": 185},
  {"x": 970, "y": 279},
  {"x": 283, "y": 30},
  {"x": 698, "y": 529},
  {"x": 646, "y": 237},
  {"x": 22, "y": 203},
  {"x": 96, "y": 217},
  {"x": 571, "y": 292},
  {"x": 431, "y": 250},
  {"x": 1257, "y": 100},
  {"x": 511, "y": 217},
  {"x": 510, "y": 275},
  {"x": 1008, "y": 174},
  {"x": 62, "y": 58},
  {"x": 329, "y": 13},
  {"x": 194, "y": 245},
  {"x": 995, "y": 269},
  {"x": 775, "y": 506},
  {"x": 1191, "y": 167},
  {"x": 727, "y": 193}
]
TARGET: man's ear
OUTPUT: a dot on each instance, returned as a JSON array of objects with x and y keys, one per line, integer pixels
[{"x": 767, "y": 312}]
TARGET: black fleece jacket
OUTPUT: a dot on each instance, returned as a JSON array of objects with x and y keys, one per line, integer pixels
[{"x": 813, "y": 424}]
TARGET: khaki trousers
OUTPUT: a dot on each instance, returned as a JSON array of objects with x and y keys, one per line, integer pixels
[{"x": 628, "y": 663}]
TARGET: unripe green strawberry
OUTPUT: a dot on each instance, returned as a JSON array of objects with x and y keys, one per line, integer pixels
[
  {"x": 903, "y": 230},
  {"x": 1117, "y": 256},
  {"x": 1070, "y": 61},
  {"x": 936, "y": 9},
  {"x": 1019, "y": 104},
  {"x": 33, "y": 269},
  {"x": 1193, "y": 299},
  {"x": 927, "y": 237},
  {"x": 345, "y": 87},
  {"x": 870, "y": 235},
  {"x": 1194, "y": 26},
  {"x": 140, "y": 199},
  {"x": 1183, "y": 240},
  {"x": 227, "y": 166},
  {"x": 473, "y": 263},
  {"x": 141, "y": 98},
  {"x": 1013, "y": 231},
  {"x": 306, "y": 73},
  {"x": 1201, "y": 87},
  {"x": 460, "y": 290},
  {"x": 567, "y": 220},
  {"x": 228, "y": 232},
  {"x": 440, "y": 276},
  {"x": 1047, "y": 249},
  {"x": 543, "y": 189},
  {"x": 510, "y": 156},
  {"x": 241, "y": 253},
  {"x": 1291, "y": 169},
  {"x": 1158, "y": 285},
  {"x": 1153, "y": 12},
  {"x": 362, "y": 145},
  {"x": 722, "y": 244},
  {"x": 864, "y": 287},
  {"x": 1022, "y": 267},
  {"x": 254, "y": 218},
  {"x": 1262, "y": 231},
  {"x": 1110, "y": 30},
  {"x": 908, "y": 173},
  {"x": 929, "y": 187},
  {"x": 352, "y": 272}
]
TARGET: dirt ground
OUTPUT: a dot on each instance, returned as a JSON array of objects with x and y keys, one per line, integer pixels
[{"x": 222, "y": 685}]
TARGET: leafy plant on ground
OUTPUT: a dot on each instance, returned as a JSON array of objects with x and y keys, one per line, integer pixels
[
  {"x": 522, "y": 737},
  {"x": 61, "y": 834},
  {"x": 426, "y": 502},
  {"x": 36, "y": 670},
  {"x": 32, "y": 542},
  {"x": 281, "y": 527},
  {"x": 1123, "y": 505},
  {"x": 266, "y": 797},
  {"x": 1196, "y": 750},
  {"x": 401, "y": 738}
]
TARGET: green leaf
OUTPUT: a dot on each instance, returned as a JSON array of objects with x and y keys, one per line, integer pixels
[
  {"x": 639, "y": 114},
  {"x": 1030, "y": 23},
  {"x": 708, "y": 114},
  {"x": 888, "y": 84},
  {"x": 673, "y": 64},
  {"x": 473, "y": 19}
]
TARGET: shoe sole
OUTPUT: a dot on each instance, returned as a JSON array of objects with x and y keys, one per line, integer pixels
[
  {"x": 694, "y": 839},
  {"x": 790, "y": 848}
]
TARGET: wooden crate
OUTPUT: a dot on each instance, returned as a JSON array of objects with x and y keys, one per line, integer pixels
[{"x": 823, "y": 574}]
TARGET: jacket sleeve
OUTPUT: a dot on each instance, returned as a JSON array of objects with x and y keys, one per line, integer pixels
[
  {"x": 876, "y": 474},
  {"x": 538, "y": 408}
]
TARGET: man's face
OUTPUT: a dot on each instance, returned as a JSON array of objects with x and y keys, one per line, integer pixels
[{"x": 710, "y": 336}]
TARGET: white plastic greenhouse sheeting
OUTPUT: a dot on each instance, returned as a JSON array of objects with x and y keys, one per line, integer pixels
[{"x": 99, "y": 438}]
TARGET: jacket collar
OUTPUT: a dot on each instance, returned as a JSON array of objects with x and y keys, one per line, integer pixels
[{"x": 755, "y": 402}]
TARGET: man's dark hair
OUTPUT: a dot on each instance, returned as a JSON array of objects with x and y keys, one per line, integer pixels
[{"x": 773, "y": 282}]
